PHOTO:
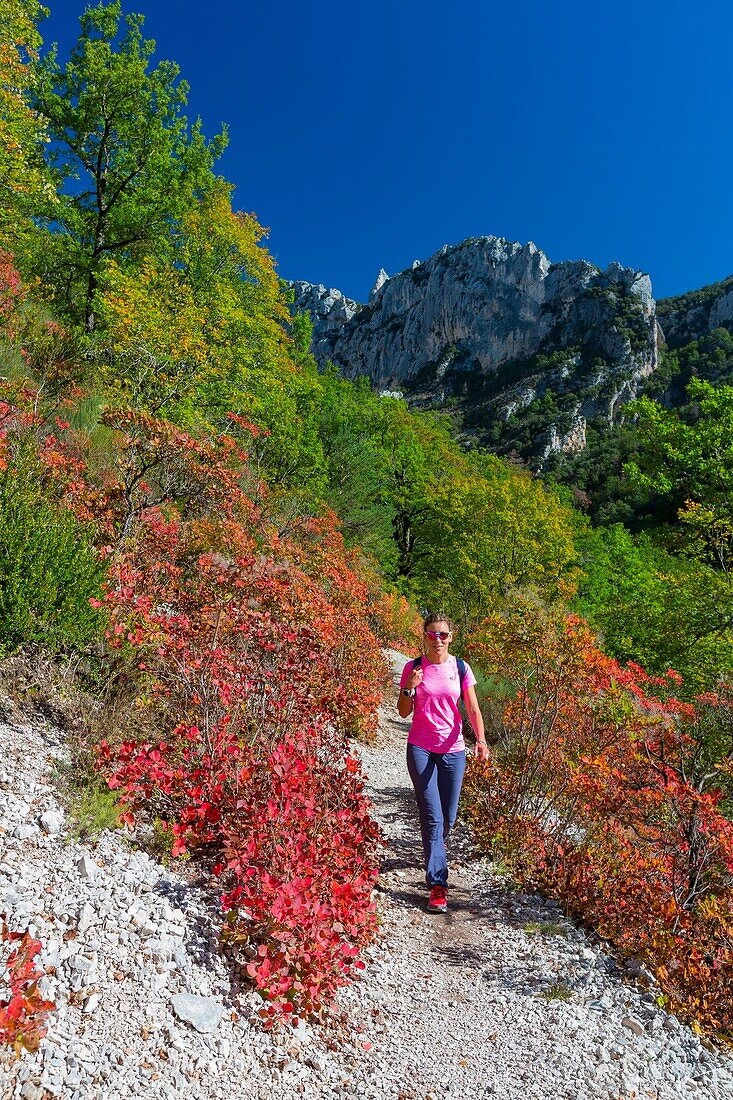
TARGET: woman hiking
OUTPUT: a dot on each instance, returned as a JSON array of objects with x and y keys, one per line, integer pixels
[{"x": 431, "y": 688}]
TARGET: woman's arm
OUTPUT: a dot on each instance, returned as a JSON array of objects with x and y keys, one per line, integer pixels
[
  {"x": 476, "y": 719},
  {"x": 405, "y": 703}
]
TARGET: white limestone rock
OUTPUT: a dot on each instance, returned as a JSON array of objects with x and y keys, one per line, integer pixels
[
  {"x": 722, "y": 311},
  {"x": 381, "y": 279},
  {"x": 203, "y": 1013},
  {"x": 482, "y": 306},
  {"x": 52, "y": 822}
]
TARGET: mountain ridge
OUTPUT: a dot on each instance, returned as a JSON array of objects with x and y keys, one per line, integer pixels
[{"x": 494, "y": 332}]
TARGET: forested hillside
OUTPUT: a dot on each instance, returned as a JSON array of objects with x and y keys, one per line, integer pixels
[{"x": 211, "y": 537}]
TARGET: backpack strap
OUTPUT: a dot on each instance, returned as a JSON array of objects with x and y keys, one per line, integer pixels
[{"x": 460, "y": 665}]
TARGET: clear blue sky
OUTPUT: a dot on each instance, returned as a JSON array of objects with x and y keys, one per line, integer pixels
[{"x": 368, "y": 135}]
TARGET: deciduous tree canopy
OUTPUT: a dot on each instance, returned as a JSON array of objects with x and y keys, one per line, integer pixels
[{"x": 127, "y": 162}]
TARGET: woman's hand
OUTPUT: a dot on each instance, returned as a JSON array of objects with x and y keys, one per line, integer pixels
[
  {"x": 406, "y": 703},
  {"x": 481, "y": 751},
  {"x": 415, "y": 678}
]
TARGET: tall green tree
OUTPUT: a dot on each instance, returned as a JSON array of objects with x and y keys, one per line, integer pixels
[
  {"x": 690, "y": 460},
  {"x": 128, "y": 163},
  {"x": 24, "y": 183},
  {"x": 491, "y": 530},
  {"x": 415, "y": 448}
]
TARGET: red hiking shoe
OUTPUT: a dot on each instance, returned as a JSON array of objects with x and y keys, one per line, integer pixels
[{"x": 438, "y": 900}]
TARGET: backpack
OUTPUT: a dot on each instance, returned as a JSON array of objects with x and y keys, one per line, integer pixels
[{"x": 460, "y": 665}]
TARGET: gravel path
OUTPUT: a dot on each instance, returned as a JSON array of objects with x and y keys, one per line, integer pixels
[{"x": 501, "y": 997}]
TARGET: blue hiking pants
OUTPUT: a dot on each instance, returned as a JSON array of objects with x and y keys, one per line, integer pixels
[{"x": 437, "y": 778}]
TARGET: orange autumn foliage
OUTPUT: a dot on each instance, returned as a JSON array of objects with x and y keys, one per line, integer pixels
[{"x": 602, "y": 794}]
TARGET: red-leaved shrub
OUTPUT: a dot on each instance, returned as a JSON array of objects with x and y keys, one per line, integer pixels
[
  {"x": 23, "y": 1015},
  {"x": 249, "y": 659},
  {"x": 238, "y": 662},
  {"x": 606, "y": 790}
]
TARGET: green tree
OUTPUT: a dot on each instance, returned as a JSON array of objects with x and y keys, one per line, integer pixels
[
  {"x": 658, "y": 609},
  {"x": 128, "y": 163},
  {"x": 492, "y": 530},
  {"x": 24, "y": 183},
  {"x": 414, "y": 448},
  {"x": 689, "y": 459},
  {"x": 358, "y": 432}
]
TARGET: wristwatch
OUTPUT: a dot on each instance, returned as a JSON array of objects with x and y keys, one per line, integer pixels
[{"x": 408, "y": 692}]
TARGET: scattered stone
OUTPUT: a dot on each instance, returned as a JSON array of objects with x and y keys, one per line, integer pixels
[
  {"x": 203, "y": 1013},
  {"x": 86, "y": 867},
  {"x": 52, "y": 822}
]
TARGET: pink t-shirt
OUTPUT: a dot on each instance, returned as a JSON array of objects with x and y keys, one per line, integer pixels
[{"x": 436, "y": 719}]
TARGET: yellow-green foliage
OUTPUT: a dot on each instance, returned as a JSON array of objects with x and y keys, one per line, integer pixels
[
  {"x": 494, "y": 529},
  {"x": 92, "y": 809},
  {"x": 24, "y": 182}
]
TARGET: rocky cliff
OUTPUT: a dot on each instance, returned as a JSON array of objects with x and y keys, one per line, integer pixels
[
  {"x": 488, "y": 328},
  {"x": 690, "y": 316}
]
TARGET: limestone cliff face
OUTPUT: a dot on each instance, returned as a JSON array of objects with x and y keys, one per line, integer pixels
[{"x": 489, "y": 326}]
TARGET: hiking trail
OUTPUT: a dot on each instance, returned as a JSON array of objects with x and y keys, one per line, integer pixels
[{"x": 501, "y": 997}]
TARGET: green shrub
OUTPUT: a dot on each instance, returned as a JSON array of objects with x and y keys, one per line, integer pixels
[
  {"x": 558, "y": 991},
  {"x": 92, "y": 809},
  {"x": 545, "y": 928},
  {"x": 48, "y": 569}
]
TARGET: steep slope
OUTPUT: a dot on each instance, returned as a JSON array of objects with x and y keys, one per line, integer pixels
[{"x": 690, "y": 316}]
